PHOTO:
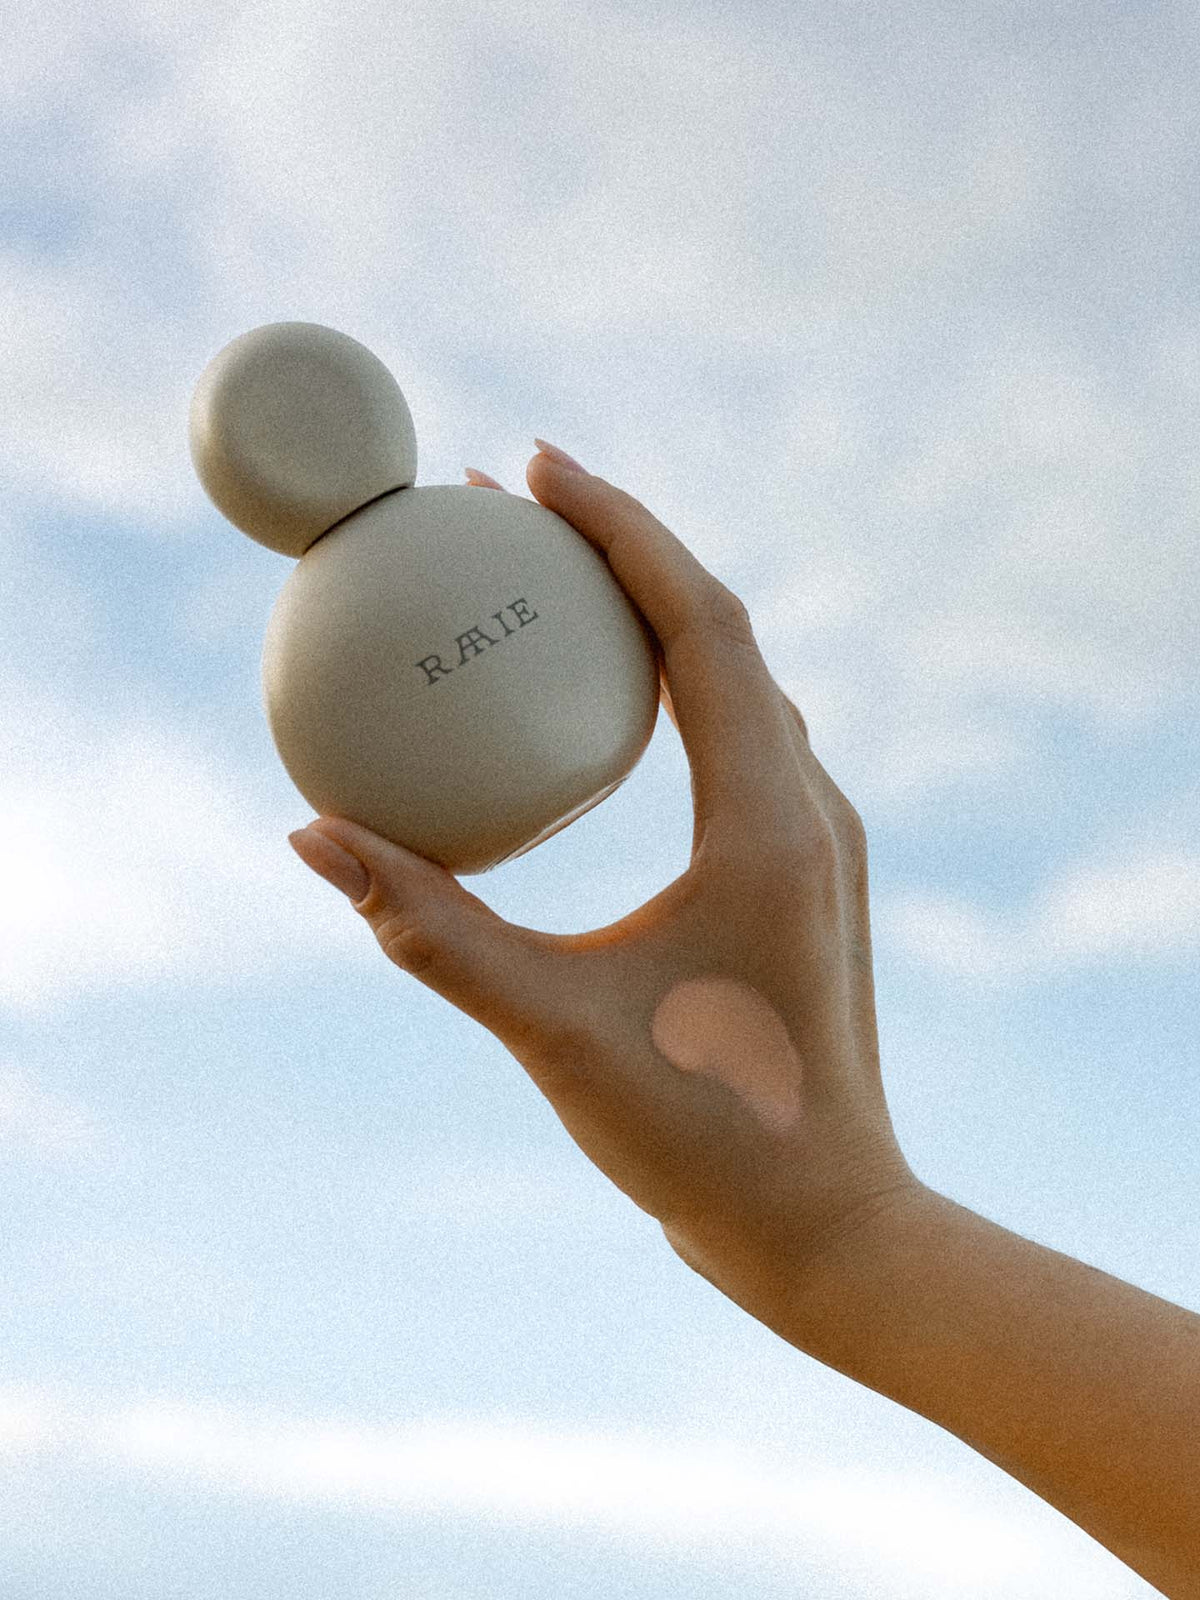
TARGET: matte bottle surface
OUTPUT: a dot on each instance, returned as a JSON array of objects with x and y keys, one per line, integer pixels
[
  {"x": 458, "y": 670},
  {"x": 455, "y": 668}
]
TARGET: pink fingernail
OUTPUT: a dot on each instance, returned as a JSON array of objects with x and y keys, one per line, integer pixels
[
  {"x": 331, "y": 862},
  {"x": 561, "y": 456},
  {"x": 480, "y": 480}
]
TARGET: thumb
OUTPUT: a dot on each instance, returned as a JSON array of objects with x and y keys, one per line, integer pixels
[{"x": 429, "y": 925}]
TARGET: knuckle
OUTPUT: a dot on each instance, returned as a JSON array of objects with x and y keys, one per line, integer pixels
[
  {"x": 407, "y": 945},
  {"x": 794, "y": 712},
  {"x": 793, "y": 857},
  {"x": 726, "y": 612},
  {"x": 855, "y": 855},
  {"x": 816, "y": 847},
  {"x": 856, "y": 829},
  {"x": 848, "y": 826},
  {"x": 849, "y": 831},
  {"x": 716, "y": 619}
]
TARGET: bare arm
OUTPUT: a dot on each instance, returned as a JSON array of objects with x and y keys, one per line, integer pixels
[
  {"x": 1079, "y": 1385},
  {"x": 715, "y": 1053}
]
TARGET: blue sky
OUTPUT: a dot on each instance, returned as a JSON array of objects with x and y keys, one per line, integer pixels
[{"x": 891, "y": 314}]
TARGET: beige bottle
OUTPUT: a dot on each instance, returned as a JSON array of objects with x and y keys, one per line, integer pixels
[{"x": 455, "y": 668}]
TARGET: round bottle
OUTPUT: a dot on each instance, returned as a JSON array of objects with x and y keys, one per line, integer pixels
[{"x": 455, "y": 668}]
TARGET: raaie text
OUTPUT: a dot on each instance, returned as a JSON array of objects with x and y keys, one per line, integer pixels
[{"x": 475, "y": 641}]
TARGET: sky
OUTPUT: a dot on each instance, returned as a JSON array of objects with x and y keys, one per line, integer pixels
[{"x": 890, "y": 313}]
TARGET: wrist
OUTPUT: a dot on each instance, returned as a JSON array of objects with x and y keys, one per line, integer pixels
[
  {"x": 854, "y": 1278},
  {"x": 809, "y": 1284}
]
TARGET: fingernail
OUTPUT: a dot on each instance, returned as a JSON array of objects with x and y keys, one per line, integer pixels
[
  {"x": 331, "y": 862},
  {"x": 480, "y": 480},
  {"x": 561, "y": 456}
]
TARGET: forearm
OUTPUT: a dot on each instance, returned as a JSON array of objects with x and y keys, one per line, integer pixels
[{"x": 1081, "y": 1386}]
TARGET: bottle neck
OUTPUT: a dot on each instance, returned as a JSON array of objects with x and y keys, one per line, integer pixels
[{"x": 341, "y": 521}]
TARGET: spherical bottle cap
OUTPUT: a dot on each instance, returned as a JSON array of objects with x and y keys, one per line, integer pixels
[{"x": 293, "y": 426}]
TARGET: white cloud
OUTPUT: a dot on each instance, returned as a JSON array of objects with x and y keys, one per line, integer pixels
[
  {"x": 130, "y": 853},
  {"x": 1146, "y": 906},
  {"x": 36, "y": 1122},
  {"x": 1028, "y": 550},
  {"x": 722, "y": 263},
  {"x": 819, "y": 297},
  {"x": 1143, "y": 905},
  {"x": 694, "y": 1499}
]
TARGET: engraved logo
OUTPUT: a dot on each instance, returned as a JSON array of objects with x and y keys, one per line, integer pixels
[{"x": 475, "y": 641}]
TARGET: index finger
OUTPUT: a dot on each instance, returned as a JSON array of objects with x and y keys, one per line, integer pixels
[{"x": 730, "y": 714}]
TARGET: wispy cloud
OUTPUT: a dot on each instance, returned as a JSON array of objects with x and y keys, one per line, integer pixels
[
  {"x": 819, "y": 362},
  {"x": 692, "y": 1499},
  {"x": 130, "y": 853},
  {"x": 1141, "y": 906},
  {"x": 34, "y": 1122},
  {"x": 1020, "y": 546}
]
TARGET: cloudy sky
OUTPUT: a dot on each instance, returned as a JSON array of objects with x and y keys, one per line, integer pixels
[{"x": 890, "y": 312}]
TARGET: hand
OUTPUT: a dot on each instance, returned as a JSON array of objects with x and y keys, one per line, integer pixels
[{"x": 715, "y": 1051}]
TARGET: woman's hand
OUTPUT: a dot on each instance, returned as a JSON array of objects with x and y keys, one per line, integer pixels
[{"x": 715, "y": 1051}]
